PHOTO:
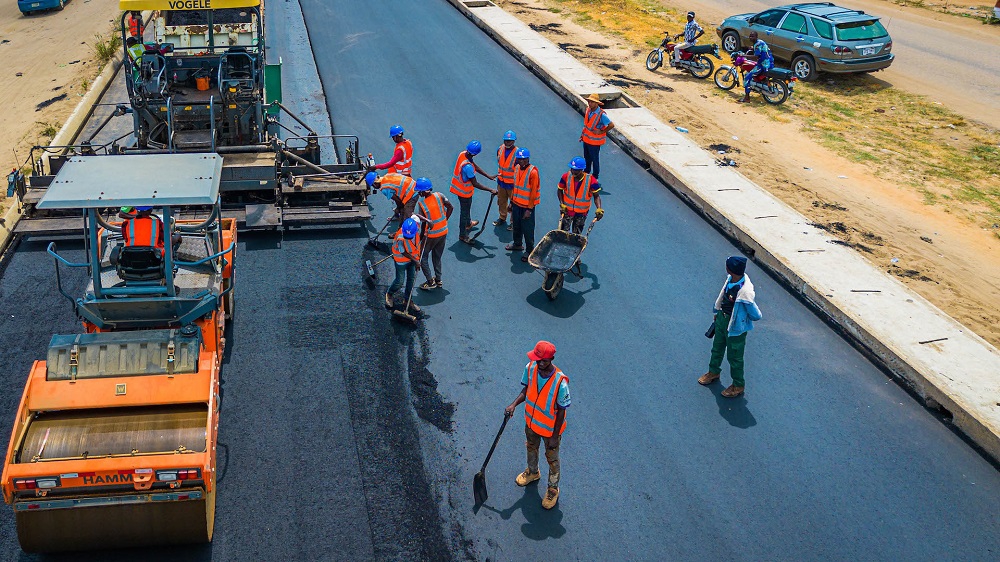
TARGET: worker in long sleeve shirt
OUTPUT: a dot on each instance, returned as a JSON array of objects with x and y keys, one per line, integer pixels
[{"x": 402, "y": 157}]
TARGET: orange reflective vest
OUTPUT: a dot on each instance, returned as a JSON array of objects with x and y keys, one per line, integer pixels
[
  {"x": 540, "y": 404},
  {"x": 460, "y": 186},
  {"x": 591, "y": 122},
  {"x": 404, "y": 186},
  {"x": 505, "y": 168},
  {"x": 525, "y": 193},
  {"x": 404, "y": 166},
  {"x": 433, "y": 208},
  {"x": 143, "y": 231},
  {"x": 133, "y": 26},
  {"x": 404, "y": 245},
  {"x": 577, "y": 195}
]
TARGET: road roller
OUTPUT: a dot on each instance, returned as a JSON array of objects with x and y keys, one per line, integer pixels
[{"x": 114, "y": 442}]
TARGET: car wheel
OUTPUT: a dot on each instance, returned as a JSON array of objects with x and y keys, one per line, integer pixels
[
  {"x": 731, "y": 42},
  {"x": 804, "y": 68}
]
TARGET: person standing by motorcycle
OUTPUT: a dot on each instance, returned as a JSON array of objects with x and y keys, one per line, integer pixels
[
  {"x": 765, "y": 61},
  {"x": 692, "y": 31}
]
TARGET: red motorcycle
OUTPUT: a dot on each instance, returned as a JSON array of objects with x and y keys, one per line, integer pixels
[
  {"x": 774, "y": 85},
  {"x": 693, "y": 58}
]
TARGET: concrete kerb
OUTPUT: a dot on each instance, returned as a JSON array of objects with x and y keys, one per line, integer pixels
[
  {"x": 970, "y": 399},
  {"x": 66, "y": 135}
]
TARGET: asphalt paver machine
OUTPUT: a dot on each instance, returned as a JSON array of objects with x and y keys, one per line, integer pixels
[
  {"x": 114, "y": 441},
  {"x": 199, "y": 81}
]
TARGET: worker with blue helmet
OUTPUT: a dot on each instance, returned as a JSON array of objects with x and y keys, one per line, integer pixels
[
  {"x": 406, "y": 249},
  {"x": 577, "y": 189},
  {"x": 402, "y": 155},
  {"x": 400, "y": 189},
  {"x": 464, "y": 183},
  {"x": 523, "y": 200},
  {"x": 435, "y": 209},
  {"x": 505, "y": 175}
]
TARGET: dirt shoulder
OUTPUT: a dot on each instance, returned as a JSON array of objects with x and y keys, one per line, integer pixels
[
  {"x": 941, "y": 254},
  {"x": 48, "y": 64}
]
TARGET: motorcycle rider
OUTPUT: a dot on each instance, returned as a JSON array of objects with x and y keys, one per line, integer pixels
[
  {"x": 692, "y": 31},
  {"x": 765, "y": 61}
]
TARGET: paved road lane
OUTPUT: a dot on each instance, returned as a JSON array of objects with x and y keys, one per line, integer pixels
[{"x": 824, "y": 458}]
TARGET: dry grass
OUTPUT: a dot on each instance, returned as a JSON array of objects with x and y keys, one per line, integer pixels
[{"x": 899, "y": 136}]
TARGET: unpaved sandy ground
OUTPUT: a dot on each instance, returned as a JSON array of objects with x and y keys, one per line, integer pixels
[
  {"x": 45, "y": 59},
  {"x": 945, "y": 259}
]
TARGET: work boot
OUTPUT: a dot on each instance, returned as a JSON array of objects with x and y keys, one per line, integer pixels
[
  {"x": 428, "y": 285},
  {"x": 389, "y": 302},
  {"x": 438, "y": 283},
  {"x": 414, "y": 309},
  {"x": 744, "y": 99},
  {"x": 551, "y": 497},
  {"x": 499, "y": 221},
  {"x": 527, "y": 477},
  {"x": 733, "y": 391},
  {"x": 708, "y": 378},
  {"x": 473, "y": 224},
  {"x": 513, "y": 248}
]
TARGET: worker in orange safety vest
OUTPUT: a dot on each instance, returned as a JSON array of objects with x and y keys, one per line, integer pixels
[
  {"x": 463, "y": 183},
  {"x": 545, "y": 394},
  {"x": 524, "y": 198},
  {"x": 402, "y": 156},
  {"x": 135, "y": 25},
  {"x": 577, "y": 189},
  {"x": 400, "y": 189},
  {"x": 505, "y": 175},
  {"x": 596, "y": 125},
  {"x": 144, "y": 229},
  {"x": 435, "y": 208}
]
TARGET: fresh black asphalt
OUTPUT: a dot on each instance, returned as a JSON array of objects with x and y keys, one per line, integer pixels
[{"x": 349, "y": 437}]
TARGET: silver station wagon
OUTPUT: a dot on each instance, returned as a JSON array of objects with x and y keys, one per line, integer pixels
[{"x": 814, "y": 37}]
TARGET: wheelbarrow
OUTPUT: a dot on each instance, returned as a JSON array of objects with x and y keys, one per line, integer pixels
[{"x": 557, "y": 253}]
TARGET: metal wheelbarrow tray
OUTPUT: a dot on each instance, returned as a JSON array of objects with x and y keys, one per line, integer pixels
[{"x": 558, "y": 251}]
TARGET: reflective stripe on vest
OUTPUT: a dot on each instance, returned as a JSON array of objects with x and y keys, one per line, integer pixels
[
  {"x": 133, "y": 26},
  {"x": 576, "y": 196},
  {"x": 402, "y": 246},
  {"x": 540, "y": 405},
  {"x": 144, "y": 231},
  {"x": 404, "y": 186},
  {"x": 433, "y": 208},
  {"x": 505, "y": 168},
  {"x": 404, "y": 166},
  {"x": 522, "y": 195},
  {"x": 591, "y": 121},
  {"x": 459, "y": 186}
]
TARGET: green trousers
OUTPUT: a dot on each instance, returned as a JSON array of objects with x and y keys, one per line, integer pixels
[{"x": 730, "y": 347}]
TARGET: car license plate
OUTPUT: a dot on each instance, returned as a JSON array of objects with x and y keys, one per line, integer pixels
[{"x": 869, "y": 50}]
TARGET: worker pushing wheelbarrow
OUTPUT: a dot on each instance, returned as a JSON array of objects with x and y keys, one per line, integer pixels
[{"x": 559, "y": 251}]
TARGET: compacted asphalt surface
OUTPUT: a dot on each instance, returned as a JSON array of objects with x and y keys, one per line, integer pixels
[{"x": 346, "y": 436}]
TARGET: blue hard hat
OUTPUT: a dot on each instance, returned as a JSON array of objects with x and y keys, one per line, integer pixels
[
  {"x": 510, "y": 135},
  {"x": 395, "y": 130},
  {"x": 144, "y": 208},
  {"x": 577, "y": 163},
  {"x": 370, "y": 178},
  {"x": 474, "y": 147},
  {"x": 522, "y": 153},
  {"x": 410, "y": 228},
  {"x": 423, "y": 184}
]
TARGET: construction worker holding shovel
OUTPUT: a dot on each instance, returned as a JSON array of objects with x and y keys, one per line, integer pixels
[
  {"x": 463, "y": 183},
  {"x": 545, "y": 394},
  {"x": 406, "y": 256}
]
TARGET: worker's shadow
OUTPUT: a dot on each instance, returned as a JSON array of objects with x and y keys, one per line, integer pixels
[
  {"x": 733, "y": 410},
  {"x": 464, "y": 252},
  {"x": 516, "y": 265},
  {"x": 595, "y": 283},
  {"x": 503, "y": 235},
  {"x": 540, "y": 523},
  {"x": 427, "y": 298}
]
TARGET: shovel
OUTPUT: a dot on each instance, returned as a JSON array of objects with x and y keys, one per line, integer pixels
[
  {"x": 373, "y": 241},
  {"x": 482, "y": 225},
  {"x": 368, "y": 271},
  {"x": 479, "y": 481}
]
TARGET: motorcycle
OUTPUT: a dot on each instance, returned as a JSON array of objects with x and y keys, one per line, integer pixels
[
  {"x": 693, "y": 58},
  {"x": 775, "y": 85}
]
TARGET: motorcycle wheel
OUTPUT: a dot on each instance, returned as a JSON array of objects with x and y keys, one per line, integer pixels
[
  {"x": 654, "y": 60},
  {"x": 776, "y": 91},
  {"x": 725, "y": 78},
  {"x": 704, "y": 68}
]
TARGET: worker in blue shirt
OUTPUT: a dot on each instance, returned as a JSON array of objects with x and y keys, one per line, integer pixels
[{"x": 765, "y": 61}]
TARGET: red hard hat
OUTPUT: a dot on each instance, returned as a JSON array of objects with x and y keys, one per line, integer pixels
[{"x": 543, "y": 350}]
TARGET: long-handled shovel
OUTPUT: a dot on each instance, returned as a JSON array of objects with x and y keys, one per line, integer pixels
[
  {"x": 373, "y": 241},
  {"x": 479, "y": 481},
  {"x": 482, "y": 225}
]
